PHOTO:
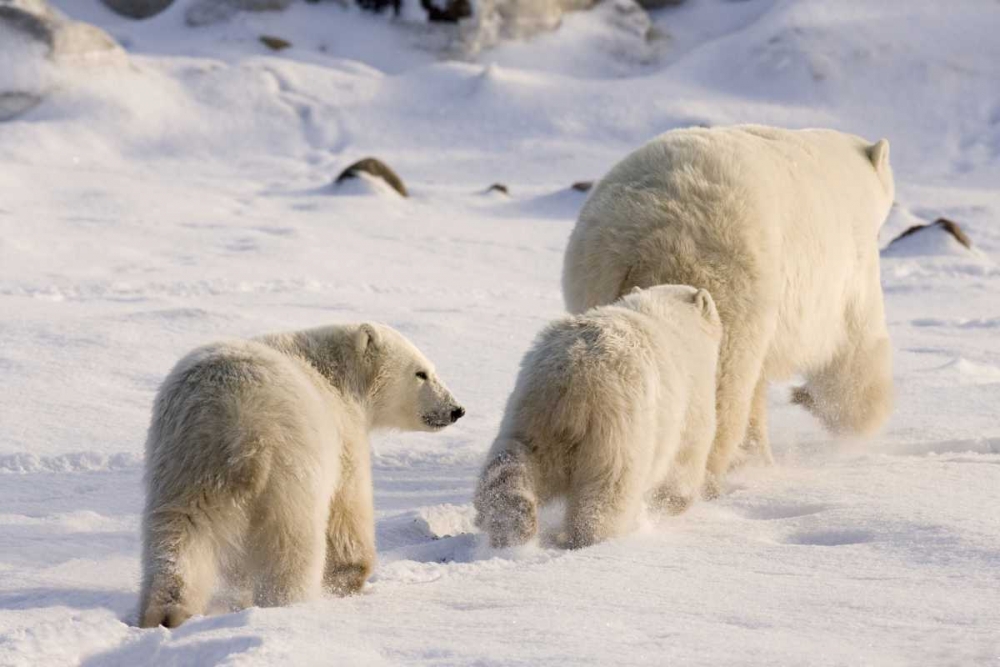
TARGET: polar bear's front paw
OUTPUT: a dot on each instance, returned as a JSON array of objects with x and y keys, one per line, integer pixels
[{"x": 346, "y": 579}]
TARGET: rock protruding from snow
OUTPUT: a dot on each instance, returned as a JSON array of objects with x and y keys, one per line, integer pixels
[
  {"x": 498, "y": 20},
  {"x": 376, "y": 168},
  {"x": 941, "y": 237},
  {"x": 275, "y": 43},
  {"x": 659, "y": 4},
  {"x": 379, "y": 5},
  {"x": 137, "y": 9},
  {"x": 207, "y": 12},
  {"x": 23, "y": 21},
  {"x": 35, "y": 42},
  {"x": 447, "y": 11}
]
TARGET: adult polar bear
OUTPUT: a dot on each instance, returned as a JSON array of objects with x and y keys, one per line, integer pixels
[
  {"x": 781, "y": 227},
  {"x": 257, "y": 460}
]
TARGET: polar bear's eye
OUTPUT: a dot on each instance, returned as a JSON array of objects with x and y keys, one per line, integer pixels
[{"x": 422, "y": 375}]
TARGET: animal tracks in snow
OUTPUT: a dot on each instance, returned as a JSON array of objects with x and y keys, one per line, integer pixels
[
  {"x": 829, "y": 538},
  {"x": 780, "y": 511}
]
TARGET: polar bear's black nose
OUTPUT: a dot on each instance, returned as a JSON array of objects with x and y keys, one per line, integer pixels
[{"x": 457, "y": 414}]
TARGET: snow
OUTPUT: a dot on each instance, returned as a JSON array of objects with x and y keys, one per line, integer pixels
[{"x": 188, "y": 197}]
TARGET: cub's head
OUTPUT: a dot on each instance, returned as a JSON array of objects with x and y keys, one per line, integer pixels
[
  {"x": 673, "y": 301},
  {"x": 405, "y": 391}
]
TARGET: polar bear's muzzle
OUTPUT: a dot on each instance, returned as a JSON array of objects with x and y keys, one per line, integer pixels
[{"x": 442, "y": 419}]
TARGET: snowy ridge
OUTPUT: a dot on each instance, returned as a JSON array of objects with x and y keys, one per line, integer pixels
[{"x": 27, "y": 462}]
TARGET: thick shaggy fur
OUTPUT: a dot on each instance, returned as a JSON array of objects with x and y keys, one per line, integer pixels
[
  {"x": 611, "y": 407},
  {"x": 257, "y": 464},
  {"x": 781, "y": 227}
]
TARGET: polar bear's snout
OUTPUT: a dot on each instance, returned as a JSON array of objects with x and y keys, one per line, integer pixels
[
  {"x": 437, "y": 406},
  {"x": 449, "y": 414}
]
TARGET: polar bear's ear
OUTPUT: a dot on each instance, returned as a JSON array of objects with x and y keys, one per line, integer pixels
[
  {"x": 367, "y": 338},
  {"x": 878, "y": 153},
  {"x": 635, "y": 290},
  {"x": 704, "y": 302}
]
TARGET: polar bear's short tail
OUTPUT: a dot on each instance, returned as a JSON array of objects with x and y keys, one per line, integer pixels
[{"x": 506, "y": 503}]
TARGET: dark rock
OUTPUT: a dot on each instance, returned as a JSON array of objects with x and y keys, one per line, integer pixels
[
  {"x": 13, "y": 104},
  {"x": 274, "y": 43},
  {"x": 447, "y": 11},
  {"x": 498, "y": 187},
  {"x": 65, "y": 40},
  {"x": 36, "y": 26},
  {"x": 374, "y": 167},
  {"x": 207, "y": 12},
  {"x": 659, "y": 4},
  {"x": 583, "y": 186},
  {"x": 137, "y": 9},
  {"x": 944, "y": 224},
  {"x": 379, "y": 5}
]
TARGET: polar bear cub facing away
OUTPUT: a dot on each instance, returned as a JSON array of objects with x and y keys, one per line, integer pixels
[
  {"x": 611, "y": 408},
  {"x": 257, "y": 464}
]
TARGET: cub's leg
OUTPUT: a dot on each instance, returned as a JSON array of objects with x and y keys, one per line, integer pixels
[
  {"x": 350, "y": 533},
  {"x": 687, "y": 474},
  {"x": 604, "y": 497},
  {"x": 506, "y": 502},
  {"x": 179, "y": 563},
  {"x": 287, "y": 543}
]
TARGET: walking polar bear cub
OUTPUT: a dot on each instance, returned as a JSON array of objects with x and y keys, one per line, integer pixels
[
  {"x": 781, "y": 227},
  {"x": 611, "y": 408},
  {"x": 257, "y": 464}
]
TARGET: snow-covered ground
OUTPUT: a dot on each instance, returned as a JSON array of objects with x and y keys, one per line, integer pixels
[{"x": 185, "y": 197}]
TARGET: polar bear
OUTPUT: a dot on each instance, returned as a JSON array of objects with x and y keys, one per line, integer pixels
[
  {"x": 781, "y": 227},
  {"x": 257, "y": 464},
  {"x": 611, "y": 408}
]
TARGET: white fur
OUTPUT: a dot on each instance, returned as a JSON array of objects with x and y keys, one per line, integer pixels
[
  {"x": 257, "y": 463},
  {"x": 611, "y": 407},
  {"x": 781, "y": 227}
]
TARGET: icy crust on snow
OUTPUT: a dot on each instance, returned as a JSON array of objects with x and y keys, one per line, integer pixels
[{"x": 188, "y": 197}]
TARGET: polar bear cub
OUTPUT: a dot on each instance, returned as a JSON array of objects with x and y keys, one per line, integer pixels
[
  {"x": 611, "y": 408},
  {"x": 257, "y": 464}
]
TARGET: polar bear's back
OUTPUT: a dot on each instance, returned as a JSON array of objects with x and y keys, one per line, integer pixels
[
  {"x": 227, "y": 414},
  {"x": 581, "y": 362},
  {"x": 724, "y": 204},
  {"x": 764, "y": 218}
]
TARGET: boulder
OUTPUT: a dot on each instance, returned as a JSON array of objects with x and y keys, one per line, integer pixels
[
  {"x": 379, "y": 5},
  {"x": 13, "y": 104},
  {"x": 63, "y": 39},
  {"x": 36, "y": 43},
  {"x": 137, "y": 9},
  {"x": 659, "y": 4},
  {"x": 274, "y": 43},
  {"x": 207, "y": 12},
  {"x": 378, "y": 169},
  {"x": 941, "y": 237},
  {"x": 447, "y": 11}
]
